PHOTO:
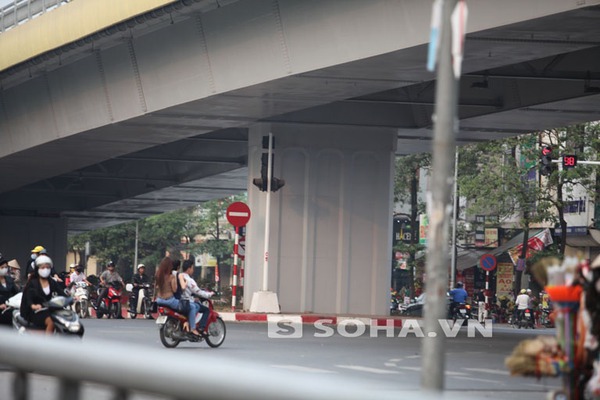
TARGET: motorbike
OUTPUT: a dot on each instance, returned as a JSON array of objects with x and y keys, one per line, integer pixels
[
  {"x": 111, "y": 304},
  {"x": 81, "y": 301},
  {"x": 526, "y": 319},
  {"x": 143, "y": 305},
  {"x": 461, "y": 311},
  {"x": 66, "y": 321},
  {"x": 415, "y": 307},
  {"x": 171, "y": 327},
  {"x": 546, "y": 319}
]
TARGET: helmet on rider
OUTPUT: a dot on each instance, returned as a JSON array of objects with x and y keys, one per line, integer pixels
[
  {"x": 459, "y": 284},
  {"x": 523, "y": 291},
  {"x": 43, "y": 260},
  {"x": 110, "y": 264},
  {"x": 141, "y": 266}
]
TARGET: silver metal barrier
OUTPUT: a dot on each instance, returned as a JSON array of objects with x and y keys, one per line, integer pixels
[
  {"x": 195, "y": 375},
  {"x": 19, "y": 11}
]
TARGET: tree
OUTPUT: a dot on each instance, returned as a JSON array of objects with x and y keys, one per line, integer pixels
[{"x": 406, "y": 190}]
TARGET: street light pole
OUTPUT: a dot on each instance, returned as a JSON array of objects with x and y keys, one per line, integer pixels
[{"x": 439, "y": 206}]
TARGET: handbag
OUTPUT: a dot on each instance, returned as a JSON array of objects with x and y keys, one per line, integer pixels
[{"x": 184, "y": 306}]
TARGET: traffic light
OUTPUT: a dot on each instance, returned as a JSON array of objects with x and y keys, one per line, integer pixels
[
  {"x": 546, "y": 161},
  {"x": 569, "y": 161},
  {"x": 262, "y": 182}
]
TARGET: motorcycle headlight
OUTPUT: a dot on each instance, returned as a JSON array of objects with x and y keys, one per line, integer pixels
[{"x": 72, "y": 324}]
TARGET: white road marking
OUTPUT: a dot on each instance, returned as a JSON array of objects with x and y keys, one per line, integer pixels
[
  {"x": 368, "y": 369},
  {"x": 451, "y": 373},
  {"x": 468, "y": 378},
  {"x": 300, "y": 368},
  {"x": 415, "y": 356},
  {"x": 487, "y": 371}
]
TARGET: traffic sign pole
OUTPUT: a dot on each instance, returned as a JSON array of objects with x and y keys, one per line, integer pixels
[
  {"x": 265, "y": 282},
  {"x": 235, "y": 264}
]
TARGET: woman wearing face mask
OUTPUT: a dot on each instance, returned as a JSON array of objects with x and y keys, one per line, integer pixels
[
  {"x": 7, "y": 290},
  {"x": 39, "y": 289}
]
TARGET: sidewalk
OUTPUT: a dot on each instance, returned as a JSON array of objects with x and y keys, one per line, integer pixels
[{"x": 330, "y": 319}]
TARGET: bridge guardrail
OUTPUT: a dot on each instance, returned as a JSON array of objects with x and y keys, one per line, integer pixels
[
  {"x": 183, "y": 376},
  {"x": 18, "y": 12}
]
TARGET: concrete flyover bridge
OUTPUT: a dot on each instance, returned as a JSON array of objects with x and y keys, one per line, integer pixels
[{"x": 112, "y": 111}]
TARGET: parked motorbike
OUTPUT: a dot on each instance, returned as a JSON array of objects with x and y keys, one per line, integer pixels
[
  {"x": 526, "y": 319},
  {"x": 66, "y": 321},
  {"x": 143, "y": 304},
  {"x": 111, "y": 304},
  {"x": 81, "y": 302},
  {"x": 171, "y": 327},
  {"x": 415, "y": 307},
  {"x": 545, "y": 319}
]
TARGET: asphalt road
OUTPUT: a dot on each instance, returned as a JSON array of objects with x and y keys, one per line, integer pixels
[{"x": 474, "y": 365}]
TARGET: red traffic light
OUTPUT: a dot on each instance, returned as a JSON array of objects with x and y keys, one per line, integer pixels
[{"x": 546, "y": 150}]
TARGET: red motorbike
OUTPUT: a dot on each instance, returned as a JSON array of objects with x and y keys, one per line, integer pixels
[
  {"x": 111, "y": 304},
  {"x": 171, "y": 327}
]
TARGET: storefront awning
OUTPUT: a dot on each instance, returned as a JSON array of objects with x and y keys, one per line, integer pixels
[{"x": 468, "y": 258}]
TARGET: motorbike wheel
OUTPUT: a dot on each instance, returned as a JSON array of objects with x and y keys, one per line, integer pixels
[
  {"x": 115, "y": 310},
  {"x": 147, "y": 308},
  {"x": 99, "y": 314},
  {"x": 81, "y": 307},
  {"x": 132, "y": 315},
  {"x": 167, "y": 331},
  {"x": 216, "y": 333}
]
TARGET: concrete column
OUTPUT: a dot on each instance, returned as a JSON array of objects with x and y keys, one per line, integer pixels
[
  {"x": 18, "y": 235},
  {"x": 331, "y": 224}
]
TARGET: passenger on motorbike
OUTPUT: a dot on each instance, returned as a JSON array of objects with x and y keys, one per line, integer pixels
[
  {"x": 38, "y": 290},
  {"x": 8, "y": 288},
  {"x": 190, "y": 288},
  {"x": 521, "y": 304},
  {"x": 78, "y": 276},
  {"x": 139, "y": 280},
  {"x": 108, "y": 277},
  {"x": 166, "y": 285},
  {"x": 458, "y": 295}
]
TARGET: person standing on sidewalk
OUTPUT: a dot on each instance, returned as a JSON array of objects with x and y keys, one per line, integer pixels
[{"x": 481, "y": 311}]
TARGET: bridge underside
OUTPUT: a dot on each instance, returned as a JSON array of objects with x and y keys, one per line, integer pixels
[{"x": 518, "y": 78}]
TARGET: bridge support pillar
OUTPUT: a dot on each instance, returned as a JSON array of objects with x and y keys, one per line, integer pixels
[
  {"x": 330, "y": 241},
  {"x": 18, "y": 235}
]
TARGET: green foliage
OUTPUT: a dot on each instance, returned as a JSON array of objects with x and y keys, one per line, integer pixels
[
  {"x": 407, "y": 168},
  {"x": 172, "y": 233}
]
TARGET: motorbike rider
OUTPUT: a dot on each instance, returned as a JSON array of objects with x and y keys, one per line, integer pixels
[
  {"x": 8, "y": 288},
  {"x": 30, "y": 265},
  {"x": 39, "y": 289},
  {"x": 139, "y": 280},
  {"x": 107, "y": 277},
  {"x": 458, "y": 295},
  {"x": 190, "y": 288},
  {"x": 521, "y": 304}
]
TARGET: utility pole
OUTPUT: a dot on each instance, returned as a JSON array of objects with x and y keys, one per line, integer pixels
[{"x": 438, "y": 199}]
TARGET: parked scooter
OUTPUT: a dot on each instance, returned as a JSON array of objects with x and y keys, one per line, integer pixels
[
  {"x": 66, "y": 321},
  {"x": 111, "y": 304},
  {"x": 143, "y": 304},
  {"x": 81, "y": 302},
  {"x": 171, "y": 327}
]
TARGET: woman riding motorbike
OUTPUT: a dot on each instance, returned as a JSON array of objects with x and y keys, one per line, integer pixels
[{"x": 39, "y": 289}]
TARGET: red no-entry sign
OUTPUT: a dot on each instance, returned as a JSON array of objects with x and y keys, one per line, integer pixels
[{"x": 238, "y": 214}]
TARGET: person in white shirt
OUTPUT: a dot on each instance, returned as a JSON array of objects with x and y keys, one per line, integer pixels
[
  {"x": 521, "y": 303},
  {"x": 190, "y": 288},
  {"x": 78, "y": 276}
]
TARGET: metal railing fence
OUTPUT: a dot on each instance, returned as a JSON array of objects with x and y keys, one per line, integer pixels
[
  {"x": 179, "y": 374},
  {"x": 20, "y": 11}
]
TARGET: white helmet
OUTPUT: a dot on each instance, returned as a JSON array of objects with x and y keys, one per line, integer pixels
[
  {"x": 43, "y": 260},
  {"x": 141, "y": 266}
]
